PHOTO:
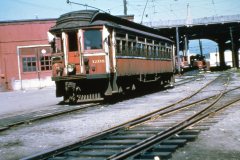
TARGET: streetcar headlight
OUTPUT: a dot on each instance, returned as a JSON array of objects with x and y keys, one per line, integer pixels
[{"x": 70, "y": 68}]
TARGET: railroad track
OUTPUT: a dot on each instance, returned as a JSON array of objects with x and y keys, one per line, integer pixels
[
  {"x": 9, "y": 122},
  {"x": 189, "y": 79},
  {"x": 156, "y": 134}
]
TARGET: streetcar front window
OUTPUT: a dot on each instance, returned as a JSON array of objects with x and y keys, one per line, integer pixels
[{"x": 92, "y": 39}]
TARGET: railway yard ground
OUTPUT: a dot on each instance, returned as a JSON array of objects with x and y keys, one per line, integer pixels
[{"x": 220, "y": 141}]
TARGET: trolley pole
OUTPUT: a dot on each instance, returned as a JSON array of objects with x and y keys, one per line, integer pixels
[
  {"x": 178, "y": 56},
  {"x": 125, "y": 7}
]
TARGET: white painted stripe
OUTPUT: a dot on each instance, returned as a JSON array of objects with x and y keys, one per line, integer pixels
[
  {"x": 65, "y": 48},
  {"x": 32, "y": 46},
  {"x": 145, "y": 58},
  {"x": 80, "y": 50},
  {"x": 106, "y": 48},
  {"x": 114, "y": 51},
  {"x": 94, "y": 54},
  {"x": 19, "y": 69}
]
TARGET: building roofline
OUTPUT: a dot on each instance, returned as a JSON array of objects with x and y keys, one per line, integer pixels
[{"x": 27, "y": 20}]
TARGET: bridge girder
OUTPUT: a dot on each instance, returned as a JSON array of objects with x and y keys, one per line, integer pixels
[{"x": 219, "y": 33}]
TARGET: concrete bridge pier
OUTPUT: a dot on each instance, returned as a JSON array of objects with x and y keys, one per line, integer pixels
[
  {"x": 237, "y": 53},
  {"x": 235, "y": 48},
  {"x": 221, "y": 48}
]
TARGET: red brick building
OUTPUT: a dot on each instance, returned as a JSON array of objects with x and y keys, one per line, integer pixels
[{"x": 25, "y": 54}]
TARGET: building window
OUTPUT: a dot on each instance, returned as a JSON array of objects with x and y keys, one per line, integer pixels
[
  {"x": 46, "y": 63},
  {"x": 29, "y": 64}
]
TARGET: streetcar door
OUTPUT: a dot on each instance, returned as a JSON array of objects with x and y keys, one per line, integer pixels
[
  {"x": 73, "y": 50},
  {"x": 94, "y": 55}
]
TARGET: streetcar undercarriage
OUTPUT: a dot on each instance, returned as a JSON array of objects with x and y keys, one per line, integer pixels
[{"x": 85, "y": 90}]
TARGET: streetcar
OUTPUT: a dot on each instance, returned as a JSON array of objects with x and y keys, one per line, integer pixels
[{"x": 95, "y": 55}]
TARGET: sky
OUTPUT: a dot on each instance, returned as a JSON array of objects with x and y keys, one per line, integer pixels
[{"x": 156, "y": 10}]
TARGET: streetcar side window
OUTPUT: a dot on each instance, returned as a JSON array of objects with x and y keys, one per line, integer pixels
[
  {"x": 118, "y": 46},
  {"x": 147, "y": 51},
  {"x": 141, "y": 46},
  {"x": 124, "y": 52},
  {"x": 138, "y": 49},
  {"x": 134, "y": 49},
  {"x": 154, "y": 51},
  {"x": 163, "y": 50},
  {"x": 92, "y": 39},
  {"x": 130, "y": 48},
  {"x": 167, "y": 51},
  {"x": 159, "y": 51},
  {"x": 170, "y": 53},
  {"x": 130, "y": 44}
]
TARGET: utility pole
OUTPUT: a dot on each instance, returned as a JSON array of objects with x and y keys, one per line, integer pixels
[
  {"x": 200, "y": 47},
  {"x": 233, "y": 48},
  {"x": 178, "y": 56},
  {"x": 125, "y": 7},
  {"x": 216, "y": 57},
  {"x": 185, "y": 53}
]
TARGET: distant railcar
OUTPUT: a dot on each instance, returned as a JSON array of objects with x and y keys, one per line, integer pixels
[
  {"x": 183, "y": 63},
  {"x": 199, "y": 62},
  {"x": 101, "y": 54}
]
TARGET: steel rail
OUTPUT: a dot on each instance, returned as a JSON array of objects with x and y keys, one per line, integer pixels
[
  {"x": 98, "y": 136},
  {"x": 184, "y": 81},
  {"x": 48, "y": 115},
  {"x": 149, "y": 142},
  {"x": 43, "y": 116}
]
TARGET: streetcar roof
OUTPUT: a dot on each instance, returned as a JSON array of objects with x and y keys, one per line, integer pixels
[{"x": 84, "y": 18}]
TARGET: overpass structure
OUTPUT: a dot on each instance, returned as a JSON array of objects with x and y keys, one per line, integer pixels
[{"x": 224, "y": 30}]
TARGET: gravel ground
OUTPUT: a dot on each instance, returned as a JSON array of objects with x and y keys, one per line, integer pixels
[
  {"x": 25, "y": 101},
  {"x": 221, "y": 141},
  {"x": 55, "y": 132}
]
